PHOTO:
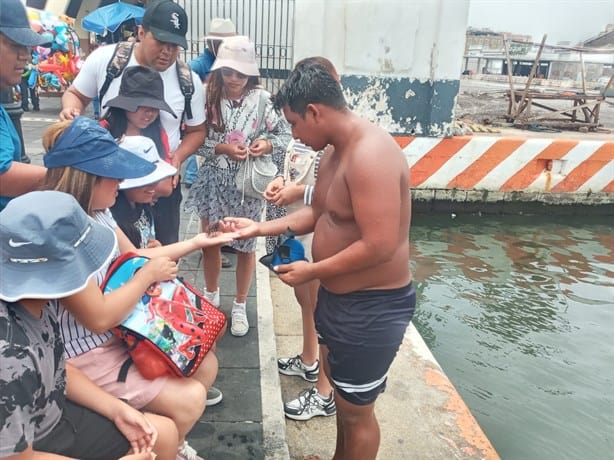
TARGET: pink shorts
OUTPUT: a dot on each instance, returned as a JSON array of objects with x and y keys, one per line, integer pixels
[{"x": 102, "y": 366}]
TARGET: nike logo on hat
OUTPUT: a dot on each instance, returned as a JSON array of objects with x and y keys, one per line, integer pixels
[{"x": 18, "y": 244}]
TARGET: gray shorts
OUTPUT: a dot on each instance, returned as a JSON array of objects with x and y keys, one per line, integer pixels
[
  {"x": 84, "y": 434},
  {"x": 363, "y": 331}
]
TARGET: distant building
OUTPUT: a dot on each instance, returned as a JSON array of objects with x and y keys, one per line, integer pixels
[
  {"x": 485, "y": 54},
  {"x": 604, "y": 40}
]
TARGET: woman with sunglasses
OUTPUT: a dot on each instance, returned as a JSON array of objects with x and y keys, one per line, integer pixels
[{"x": 240, "y": 121}]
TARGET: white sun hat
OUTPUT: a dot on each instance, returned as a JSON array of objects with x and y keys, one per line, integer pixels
[
  {"x": 220, "y": 28},
  {"x": 237, "y": 53},
  {"x": 145, "y": 148}
]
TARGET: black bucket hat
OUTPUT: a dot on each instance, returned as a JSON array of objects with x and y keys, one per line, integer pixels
[{"x": 140, "y": 87}]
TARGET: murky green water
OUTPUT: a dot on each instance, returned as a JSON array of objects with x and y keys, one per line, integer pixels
[{"x": 519, "y": 312}]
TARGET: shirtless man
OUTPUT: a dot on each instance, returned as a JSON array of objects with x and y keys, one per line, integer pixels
[{"x": 360, "y": 217}]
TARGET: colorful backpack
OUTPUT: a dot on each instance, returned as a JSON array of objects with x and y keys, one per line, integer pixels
[{"x": 171, "y": 328}]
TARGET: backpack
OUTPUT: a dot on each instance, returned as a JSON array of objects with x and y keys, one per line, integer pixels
[
  {"x": 171, "y": 328},
  {"x": 119, "y": 61}
]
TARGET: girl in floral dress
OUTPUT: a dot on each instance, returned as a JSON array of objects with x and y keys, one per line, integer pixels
[{"x": 240, "y": 121}]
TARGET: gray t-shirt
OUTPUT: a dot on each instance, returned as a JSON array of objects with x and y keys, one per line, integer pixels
[{"x": 32, "y": 376}]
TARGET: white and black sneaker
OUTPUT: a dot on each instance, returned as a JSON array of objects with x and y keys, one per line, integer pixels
[
  {"x": 310, "y": 404},
  {"x": 296, "y": 366},
  {"x": 214, "y": 396}
]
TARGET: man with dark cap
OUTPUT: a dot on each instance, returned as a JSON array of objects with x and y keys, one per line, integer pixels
[
  {"x": 163, "y": 31},
  {"x": 16, "y": 39}
]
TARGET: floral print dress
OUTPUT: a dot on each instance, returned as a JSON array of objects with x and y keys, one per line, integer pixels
[{"x": 214, "y": 195}]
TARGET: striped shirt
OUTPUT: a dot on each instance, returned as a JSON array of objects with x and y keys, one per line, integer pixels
[{"x": 77, "y": 339}]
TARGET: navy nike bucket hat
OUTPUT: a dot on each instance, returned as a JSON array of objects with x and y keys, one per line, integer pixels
[
  {"x": 49, "y": 247},
  {"x": 87, "y": 146}
]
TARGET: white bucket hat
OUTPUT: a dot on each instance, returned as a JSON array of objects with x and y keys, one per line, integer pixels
[
  {"x": 49, "y": 247},
  {"x": 220, "y": 28},
  {"x": 237, "y": 53},
  {"x": 145, "y": 148}
]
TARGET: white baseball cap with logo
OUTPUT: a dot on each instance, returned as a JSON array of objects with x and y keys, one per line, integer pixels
[{"x": 145, "y": 148}]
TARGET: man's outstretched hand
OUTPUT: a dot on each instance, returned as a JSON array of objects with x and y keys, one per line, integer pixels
[{"x": 242, "y": 226}]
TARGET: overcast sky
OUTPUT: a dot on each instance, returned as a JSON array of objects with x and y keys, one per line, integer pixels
[{"x": 562, "y": 20}]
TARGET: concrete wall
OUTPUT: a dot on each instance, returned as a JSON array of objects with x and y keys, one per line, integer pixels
[{"x": 399, "y": 60}]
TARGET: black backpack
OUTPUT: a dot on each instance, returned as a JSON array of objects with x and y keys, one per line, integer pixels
[{"x": 121, "y": 57}]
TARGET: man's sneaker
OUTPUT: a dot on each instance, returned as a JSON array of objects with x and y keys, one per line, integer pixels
[
  {"x": 214, "y": 396},
  {"x": 310, "y": 404},
  {"x": 187, "y": 452},
  {"x": 239, "y": 325},
  {"x": 296, "y": 366},
  {"x": 213, "y": 297}
]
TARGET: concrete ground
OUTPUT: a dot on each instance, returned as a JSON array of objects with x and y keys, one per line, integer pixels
[{"x": 421, "y": 415}]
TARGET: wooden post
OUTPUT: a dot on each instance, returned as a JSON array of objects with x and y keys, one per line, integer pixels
[
  {"x": 608, "y": 84},
  {"x": 512, "y": 106},
  {"x": 531, "y": 75},
  {"x": 582, "y": 72}
]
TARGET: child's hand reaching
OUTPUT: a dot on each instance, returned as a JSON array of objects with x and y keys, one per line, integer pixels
[
  {"x": 215, "y": 238},
  {"x": 160, "y": 269}
]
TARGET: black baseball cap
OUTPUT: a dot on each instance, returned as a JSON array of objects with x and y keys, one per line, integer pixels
[
  {"x": 14, "y": 24},
  {"x": 167, "y": 21}
]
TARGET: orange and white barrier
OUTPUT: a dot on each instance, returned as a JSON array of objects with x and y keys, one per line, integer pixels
[{"x": 499, "y": 164}]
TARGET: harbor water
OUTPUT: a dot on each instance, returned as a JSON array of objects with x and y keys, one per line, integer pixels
[{"x": 519, "y": 312}]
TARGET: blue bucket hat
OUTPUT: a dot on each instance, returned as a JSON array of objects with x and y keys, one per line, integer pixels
[
  {"x": 88, "y": 147},
  {"x": 49, "y": 247}
]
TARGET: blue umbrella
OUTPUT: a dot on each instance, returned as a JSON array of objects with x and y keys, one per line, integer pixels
[{"x": 108, "y": 18}]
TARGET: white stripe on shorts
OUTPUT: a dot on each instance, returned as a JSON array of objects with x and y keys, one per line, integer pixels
[{"x": 364, "y": 388}]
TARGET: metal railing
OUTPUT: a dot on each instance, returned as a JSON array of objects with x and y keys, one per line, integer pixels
[{"x": 268, "y": 23}]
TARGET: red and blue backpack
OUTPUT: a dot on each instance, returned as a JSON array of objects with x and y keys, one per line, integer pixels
[{"x": 172, "y": 327}]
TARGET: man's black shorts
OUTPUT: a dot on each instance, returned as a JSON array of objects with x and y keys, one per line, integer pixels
[{"x": 363, "y": 331}]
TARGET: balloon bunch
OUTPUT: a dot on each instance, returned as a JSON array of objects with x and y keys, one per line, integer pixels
[{"x": 55, "y": 65}]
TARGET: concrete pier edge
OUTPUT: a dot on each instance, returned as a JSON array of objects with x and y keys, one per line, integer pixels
[{"x": 273, "y": 418}]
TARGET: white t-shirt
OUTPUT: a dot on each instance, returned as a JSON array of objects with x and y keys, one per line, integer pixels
[{"x": 92, "y": 75}]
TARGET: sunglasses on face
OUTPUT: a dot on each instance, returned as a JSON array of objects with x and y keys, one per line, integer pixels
[{"x": 228, "y": 72}]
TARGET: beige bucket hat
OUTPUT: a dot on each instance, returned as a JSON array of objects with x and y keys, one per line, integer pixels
[{"x": 238, "y": 53}]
